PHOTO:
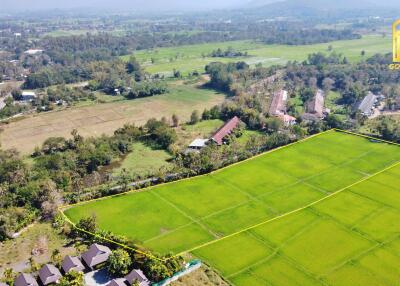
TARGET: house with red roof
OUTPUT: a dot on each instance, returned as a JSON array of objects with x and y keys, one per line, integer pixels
[{"x": 225, "y": 130}]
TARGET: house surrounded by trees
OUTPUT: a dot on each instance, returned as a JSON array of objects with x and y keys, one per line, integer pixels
[{"x": 225, "y": 130}]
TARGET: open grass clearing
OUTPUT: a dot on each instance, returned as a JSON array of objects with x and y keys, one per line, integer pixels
[
  {"x": 143, "y": 160},
  {"x": 15, "y": 253}
]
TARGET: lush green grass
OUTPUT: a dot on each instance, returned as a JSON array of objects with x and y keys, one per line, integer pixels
[
  {"x": 206, "y": 208},
  {"x": 194, "y": 57},
  {"x": 205, "y": 126},
  {"x": 351, "y": 238},
  {"x": 143, "y": 160}
]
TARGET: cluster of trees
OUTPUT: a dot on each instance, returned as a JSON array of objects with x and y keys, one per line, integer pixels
[
  {"x": 300, "y": 36},
  {"x": 214, "y": 157},
  {"x": 106, "y": 75},
  {"x": 69, "y": 94},
  {"x": 330, "y": 72},
  {"x": 62, "y": 168},
  {"x": 222, "y": 76},
  {"x": 55, "y": 74},
  {"x": 11, "y": 108},
  {"x": 147, "y": 88},
  {"x": 388, "y": 128},
  {"x": 228, "y": 53}
]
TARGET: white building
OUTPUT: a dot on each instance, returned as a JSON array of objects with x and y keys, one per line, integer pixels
[
  {"x": 28, "y": 95},
  {"x": 33, "y": 52},
  {"x": 198, "y": 144}
]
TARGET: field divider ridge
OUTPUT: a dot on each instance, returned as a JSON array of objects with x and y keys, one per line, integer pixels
[
  {"x": 196, "y": 221},
  {"x": 111, "y": 241},
  {"x": 365, "y": 136},
  {"x": 291, "y": 212}
]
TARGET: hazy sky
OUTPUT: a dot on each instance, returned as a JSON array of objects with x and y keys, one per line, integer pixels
[
  {"x": 148, "y": 5},
  {"x": 154, "y": 5}
]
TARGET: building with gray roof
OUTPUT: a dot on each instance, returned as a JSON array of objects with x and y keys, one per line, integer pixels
[
  {"x": 72, "y": 263},
  {"x": 117, "y": 282},
  {"x": 96, "y": 255},
  {"x": 366, "y": 106},
  {"x": 137, "y": 275},
  {"x": 49, "y": 274},
  {"x": 25, "y": 279}
]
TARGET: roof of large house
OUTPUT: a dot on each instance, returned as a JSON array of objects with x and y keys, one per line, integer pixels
[
  {"x": 96, "y": 254},
  {"x": 367, "y": 103},
  {"x": 49, "y": 274},
  {"x": 117, "y": 282},
  {"x": 278, "y": 104},
  {"x": 137, "y": 275},
  {"x": 225, "y": 130},
  {"x": 25, "y": 279},
  {"x": 72, "y": 263},
  {"x": 316, "y": 105}
]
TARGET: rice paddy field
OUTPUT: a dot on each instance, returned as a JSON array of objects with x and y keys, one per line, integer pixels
[
  {"x": 323, "y": 211},
  {"x": 94, "y": 119},
  {"x": 196, "y": 57}
]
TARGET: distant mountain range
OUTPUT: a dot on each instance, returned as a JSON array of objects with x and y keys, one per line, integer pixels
[
  {"x": 325, "y": 4},
  {"x": 323, "y": 8}
]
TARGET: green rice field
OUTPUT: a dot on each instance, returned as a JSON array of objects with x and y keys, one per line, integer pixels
[
  {"x": 324, "y": 211},
  {"x": 196, "y": 57}
]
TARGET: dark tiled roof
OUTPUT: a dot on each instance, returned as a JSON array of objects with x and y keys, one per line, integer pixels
[
  {"x": 49, "y": 274},
  {"x": 117, "y": 282},
  {"x": 72, "y": 263},
  {"x": 225, "y": 130},
  {"x": 96, "y": 254},
  {"x": 137, "y": 275},
  {"x": 25, "y": 280}
]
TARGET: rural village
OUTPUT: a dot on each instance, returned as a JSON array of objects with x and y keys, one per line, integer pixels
[{"x": 251, "y": 146}]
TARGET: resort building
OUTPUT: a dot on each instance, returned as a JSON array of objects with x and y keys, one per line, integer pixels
[
  {"x": 72, "y": 263},
  {"x": 49, "y": 274},
  {"x": 138, "y": 276},
  {"x": 117, "y": 282},
  {"x": 25, "y": 279},
  {"x": 96, "y": 255}
]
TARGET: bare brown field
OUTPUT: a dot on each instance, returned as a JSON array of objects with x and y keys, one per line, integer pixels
[{"x": 94, "y": 120}]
